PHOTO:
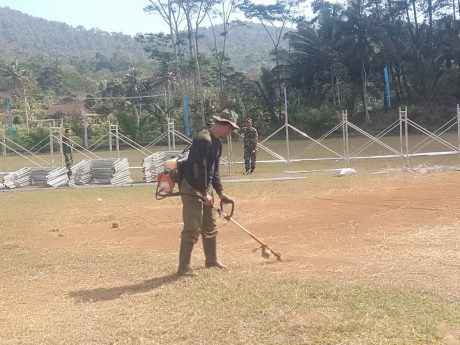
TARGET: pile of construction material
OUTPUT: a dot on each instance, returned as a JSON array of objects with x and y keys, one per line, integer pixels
[
  {"x": 17, "y": 179},
  {"x": 101, "y": 171},
  {"x": 110, "y": 171},
  {"x": 57, "y": 178},
  {"x": 113, "y": 171},
  {"x": 38, "y": 175},
  {"x": 81, "y": 173},
  {"x": 42, "y": 176},
  {"x": 155, "y": 164}
]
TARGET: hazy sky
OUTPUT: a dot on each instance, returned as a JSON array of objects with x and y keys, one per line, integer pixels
[{"x": 125, "y": 16}]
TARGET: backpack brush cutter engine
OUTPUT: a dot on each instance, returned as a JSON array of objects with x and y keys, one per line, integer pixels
[{"x": 166, "y": 182}]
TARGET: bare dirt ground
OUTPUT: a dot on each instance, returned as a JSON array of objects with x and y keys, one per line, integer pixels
[
  {"x": 60, "y": 248},
  {"x": 404, "y": 230}
]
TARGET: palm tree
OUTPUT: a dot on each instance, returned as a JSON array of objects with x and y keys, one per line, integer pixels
[
  {"x": 167, "y": 80},
  {"x": 274, "y": 18},
  {"x": 361, "y": 40},
  {"x": 19, "y": 77},
  {"x": 315, "y": 55},
  {"x": 15, "y": 74},
  {"x": 134, "y": 87}
]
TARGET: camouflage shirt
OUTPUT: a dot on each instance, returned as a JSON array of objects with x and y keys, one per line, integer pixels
[
  {"x": 250, "y": 136},
  {"x": 67, "y": 146}
]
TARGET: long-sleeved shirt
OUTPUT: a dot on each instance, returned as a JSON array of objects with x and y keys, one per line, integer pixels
[
  {"x": 250, "y": 137},
  {"x": 202, "y": 166},
  {"x": 67, "y": 145}
]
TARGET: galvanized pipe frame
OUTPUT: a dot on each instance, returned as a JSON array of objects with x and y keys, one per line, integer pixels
[
  {"x": 440, "y": 131},
  {"x": 6, "y": 146},
  {"x": 433, "y": 136},
  {"x": 324, "y": 136},
  {"x": 133, "y": 144},
  {"x": 59, "y": 132},
  {"x": 269, "y": 151},
  {"x": 404, "y": 124},
  {"x": 171, "y": 137},
  {"x": 37, "y": 144},
  {"x": 346, "y": 147},
  {"x": 93, "y": 145},
  {"x": 2, "y": 131},
  {"x": 114, "y": 128},
  {"x": 23, "y": 156},
  {"x": 156, "y": 140},
  {"x": 76, "y": 147},
  {"x": 458, "y": 124},
  {"x": 381, "y": 134}
]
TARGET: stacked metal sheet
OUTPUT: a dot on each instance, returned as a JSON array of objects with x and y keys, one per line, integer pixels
[
  {"x": 101, "y": 171},
  {"x": 35, "y": 176},
  {"x": 110, "y": 171},
  {"x": 121, "y": 172},
  {"x": 38, "y": 175},
  {"x": 81, "y": 173},
  {"x": 16, "y": 179},
  {"x": 57, "y": 178},
  {"x": 154, "y": 164}
]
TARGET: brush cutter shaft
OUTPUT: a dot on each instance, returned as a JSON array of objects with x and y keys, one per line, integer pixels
[
  {"x": 229, "y": 218},
  {"x": 277, "y": 255},
  {"x": 246, "y": 231}
]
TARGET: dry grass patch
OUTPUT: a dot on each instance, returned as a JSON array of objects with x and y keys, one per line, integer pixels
[
  {"x": 110, "y": 297},
  {"x": 102, "y": 285}
]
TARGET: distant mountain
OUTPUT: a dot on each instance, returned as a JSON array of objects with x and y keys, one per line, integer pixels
[
  {"x": 26, "y": 37},
  {"x": 248, "y": 45}
]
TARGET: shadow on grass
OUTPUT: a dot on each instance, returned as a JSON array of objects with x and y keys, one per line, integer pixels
[{"x": 111, "y": 293}]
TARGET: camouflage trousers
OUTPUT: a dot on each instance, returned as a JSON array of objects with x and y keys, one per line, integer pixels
[
  {"x": 249, "y": 158},
  {"x": 68, "y": 158},
  {"x": 198, "y": 218}
]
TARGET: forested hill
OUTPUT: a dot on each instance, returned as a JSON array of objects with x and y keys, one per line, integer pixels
[
  {"x": 248, "y": 44},
  {"x": 26, "y": 37}
]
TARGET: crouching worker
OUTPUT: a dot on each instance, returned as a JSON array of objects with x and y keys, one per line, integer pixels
[{"x": 200, "y": 174}]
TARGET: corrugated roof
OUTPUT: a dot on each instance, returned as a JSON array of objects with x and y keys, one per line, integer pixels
[{"x": 65, "y": 109}]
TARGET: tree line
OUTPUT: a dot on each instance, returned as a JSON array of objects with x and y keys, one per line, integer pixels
[{"x": 332, "y": 60}]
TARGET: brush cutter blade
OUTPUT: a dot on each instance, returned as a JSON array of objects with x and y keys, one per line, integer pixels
[{"x": 265, "y": 252}]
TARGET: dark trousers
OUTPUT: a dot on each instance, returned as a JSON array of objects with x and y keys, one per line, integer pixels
[
  {"x": 197, "y": 217},
  {"x": 68, "y": 158}
]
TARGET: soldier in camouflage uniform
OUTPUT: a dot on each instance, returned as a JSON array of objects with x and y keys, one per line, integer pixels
[
  {"x": 250, "y": 146},
  {"x": 67, "y": 148},
  {"x": 200, "y": 176}
]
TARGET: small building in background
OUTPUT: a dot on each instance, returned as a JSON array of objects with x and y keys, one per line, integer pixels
[{"x": 61, "y": 112}]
